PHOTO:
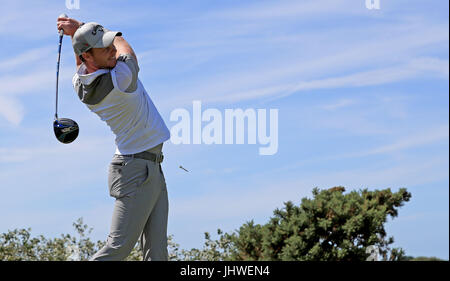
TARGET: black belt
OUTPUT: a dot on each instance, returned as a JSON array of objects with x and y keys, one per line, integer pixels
[{"x": 158, "y": 158}]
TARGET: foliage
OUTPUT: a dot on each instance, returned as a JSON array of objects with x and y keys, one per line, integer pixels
[
  {"x": 213, "y": 250},
  {"x": 420, "y": 258},
  {"x": 332, "y": 226},
  {"x": 18, "y": 245}
]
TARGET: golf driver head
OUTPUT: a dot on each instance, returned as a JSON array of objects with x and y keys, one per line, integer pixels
[{"x": 66, "y": 130}]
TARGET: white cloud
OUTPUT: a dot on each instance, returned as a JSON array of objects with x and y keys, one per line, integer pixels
[
  {"x": 340, "y": 104},
  {"x": 33, "y": 81},
  {"x": 430, "y": 67},
  {"x": 81, "y": 147},
  {"x": 423, "y": 67},
  {"x": 419, "y": 140},
  {"x": 396, "y": 49},
  {"x": 12, "y": 110},
  {"x": 422, "y": 138},
  {"x": 12, "y": 106},
  {"x": 287, "y": 9},
  {"x": 404, "y": 174},
  {"x": 22, "y": 16},
  {"x": 222, "y": 203},
  {"x": 26, "y": 58}
]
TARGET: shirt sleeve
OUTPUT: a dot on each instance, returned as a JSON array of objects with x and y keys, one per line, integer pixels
[
  {"x": 75, "y": 81},
  {"x": 127, "y": 73}
]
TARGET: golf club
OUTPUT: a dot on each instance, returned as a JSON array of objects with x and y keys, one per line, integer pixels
[{"x": 66, "y": 130}]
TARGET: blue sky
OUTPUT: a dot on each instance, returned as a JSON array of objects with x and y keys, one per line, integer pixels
[{"x": 362, "y": 97}]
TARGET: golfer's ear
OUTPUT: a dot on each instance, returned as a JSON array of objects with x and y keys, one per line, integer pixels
[{"x": 85, "y": 56}]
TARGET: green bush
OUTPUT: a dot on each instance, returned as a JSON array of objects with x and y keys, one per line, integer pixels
[{"x": 332, "y": 226}]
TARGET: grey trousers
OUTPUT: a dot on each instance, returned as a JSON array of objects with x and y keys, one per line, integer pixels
[{"x": 140, "y": 210}]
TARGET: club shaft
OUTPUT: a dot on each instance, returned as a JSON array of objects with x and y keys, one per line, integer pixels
[
  {"x": 61, "y": 35},
  {"x": 57, "y": 74}
]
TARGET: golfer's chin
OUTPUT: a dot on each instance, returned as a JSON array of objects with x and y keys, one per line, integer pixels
[
  {"x": 109, "y": 64},
  {"x": 112, "y": 63}
]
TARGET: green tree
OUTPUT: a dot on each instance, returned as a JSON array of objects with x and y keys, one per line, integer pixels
[
  {"x": 213, "y": 250},
  {"x": 421, "y": 258},
  {"x": 17, "y": 245},
  {"x": 332, "y": 226}
]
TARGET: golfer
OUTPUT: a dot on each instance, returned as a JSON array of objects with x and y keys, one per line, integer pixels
[{"x": 107, "y": 82}]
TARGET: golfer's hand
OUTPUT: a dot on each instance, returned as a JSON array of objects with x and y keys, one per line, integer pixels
[{"x": 68, "y": 25}]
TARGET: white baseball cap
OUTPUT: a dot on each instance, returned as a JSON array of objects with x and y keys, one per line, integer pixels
[{"x": 92, "y": 35}]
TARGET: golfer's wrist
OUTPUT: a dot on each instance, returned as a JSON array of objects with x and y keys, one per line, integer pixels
[{"x": 79, "y": 24}]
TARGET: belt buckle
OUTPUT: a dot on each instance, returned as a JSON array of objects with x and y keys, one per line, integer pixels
[{"x": 159, "y": 158}]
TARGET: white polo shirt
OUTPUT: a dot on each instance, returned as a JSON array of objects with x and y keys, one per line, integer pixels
[{"x": 118, "y": 97}]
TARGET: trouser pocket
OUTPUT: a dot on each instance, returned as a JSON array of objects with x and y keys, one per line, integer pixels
[
  {"x": 126, "y": 175},
  {"x": 163, "y": 179}
]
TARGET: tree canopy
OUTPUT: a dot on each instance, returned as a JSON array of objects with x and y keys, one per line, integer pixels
[{"x": 331, "y": 226}]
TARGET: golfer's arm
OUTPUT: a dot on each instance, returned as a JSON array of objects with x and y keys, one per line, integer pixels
[{"x": 123, "y": 47}]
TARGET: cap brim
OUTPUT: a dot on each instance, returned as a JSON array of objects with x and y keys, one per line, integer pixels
[{"x": 107, "y": 39}]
